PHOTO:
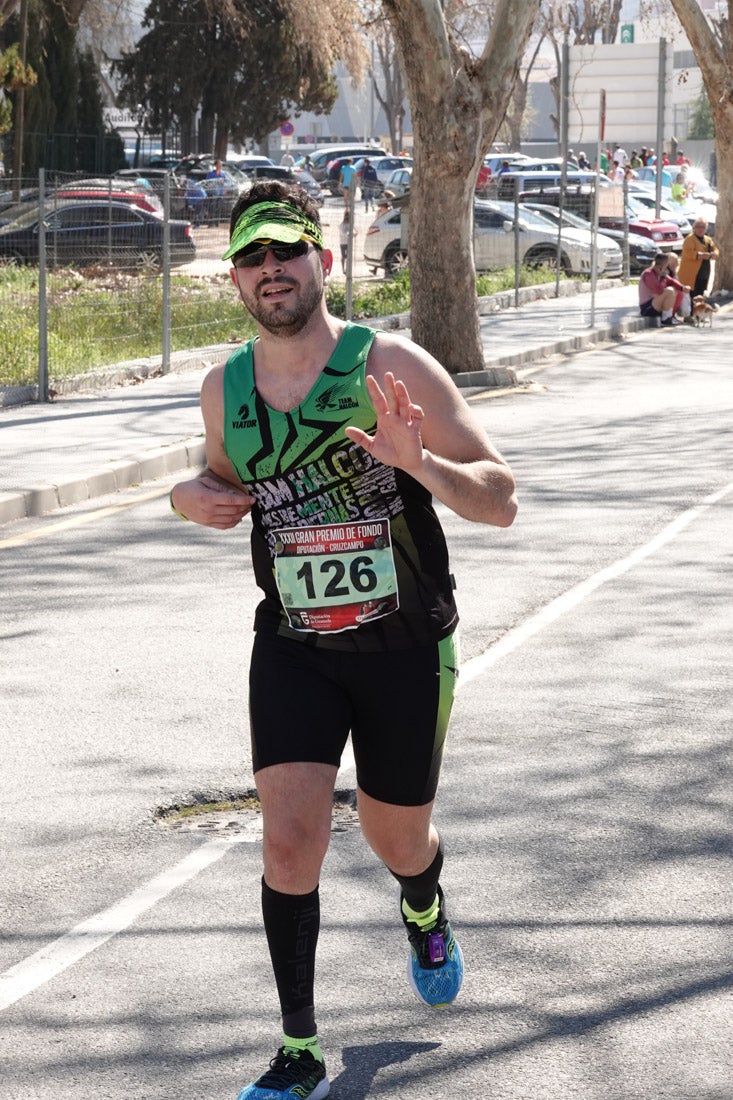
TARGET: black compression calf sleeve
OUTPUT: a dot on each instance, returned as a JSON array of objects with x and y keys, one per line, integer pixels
[
  {"x": 292, "y": 922},
  {"x": 419, "y": 890}
]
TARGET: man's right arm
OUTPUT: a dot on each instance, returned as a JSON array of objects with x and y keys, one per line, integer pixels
[{"x": 215, "y": 497}]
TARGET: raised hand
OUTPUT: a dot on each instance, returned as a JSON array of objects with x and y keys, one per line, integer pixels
[{"x": 397, "y": 440}]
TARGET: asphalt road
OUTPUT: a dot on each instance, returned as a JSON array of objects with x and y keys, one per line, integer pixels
[{"x": 585, "y": 802}]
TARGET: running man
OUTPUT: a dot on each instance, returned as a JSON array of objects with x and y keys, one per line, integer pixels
[{"x": 334, "y": 439}]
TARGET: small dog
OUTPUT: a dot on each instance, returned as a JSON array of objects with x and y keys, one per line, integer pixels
[{"x": 702, "y": 313}]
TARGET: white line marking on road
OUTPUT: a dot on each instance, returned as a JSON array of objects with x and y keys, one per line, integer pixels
[
  {"x": 575, "y": 595},
  {"x": 79, "y": 520},
  {"x": 27, "y": 975},
  {"x": 37, "y": 969}
]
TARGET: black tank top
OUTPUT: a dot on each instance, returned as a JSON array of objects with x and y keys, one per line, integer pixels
[{"x": 348, "y": 551}]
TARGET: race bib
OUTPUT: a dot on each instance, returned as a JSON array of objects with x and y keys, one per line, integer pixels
[{"x": 335, "y": 577}]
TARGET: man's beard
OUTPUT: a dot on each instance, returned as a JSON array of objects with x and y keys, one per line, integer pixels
[{"x": 284, "y": 319}]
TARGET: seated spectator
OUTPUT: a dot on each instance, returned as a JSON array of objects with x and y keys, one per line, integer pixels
[
  {"x": 384, "y": 203},
  {"x": 629, "y": 173},
  {"x": 683, "y": 299},
  {"x": 656, "y": 296}
]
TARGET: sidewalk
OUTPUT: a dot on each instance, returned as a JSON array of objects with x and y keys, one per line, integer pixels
[{"x": 84, "y": 446}]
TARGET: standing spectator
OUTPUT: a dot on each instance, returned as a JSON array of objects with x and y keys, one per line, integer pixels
[
  {"x": 635, "y": 160},
  {"x": 216, "y": 191},
  {"x": 308, "y": 164},
  {"x": 583, "y": 163},
  {"x": 195, "y": 201},
  {"x": 620, "y": 155},
  {"x": 698, "y": 252},
  {"x": 344, "y": 234},
  {"x": 369, "y": 183},
  {"x": 679, "y": 189},
  {"x": 665, "y": 159},
  {"x": 287, "y": 159},
  {"x": 347, "y": 171},
  {"x": 656, "y": 296},
  {"x": 681, "y": 158},
  {"x": 644, "y": 155}
]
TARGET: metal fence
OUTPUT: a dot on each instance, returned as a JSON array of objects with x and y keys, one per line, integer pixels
[
  {"x": 103, "y": 280},
  {"x": 99, "y": 280}
]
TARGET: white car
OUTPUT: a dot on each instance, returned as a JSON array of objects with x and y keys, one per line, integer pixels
[
  {"x": 493, "y": 242},
  {"x": 399, "y": 181},
  {"x": 385, "y": 166},
  {"x": 641, "y": 249}
]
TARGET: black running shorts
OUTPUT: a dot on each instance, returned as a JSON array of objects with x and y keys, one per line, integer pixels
[{"x": 304, "y": 701}]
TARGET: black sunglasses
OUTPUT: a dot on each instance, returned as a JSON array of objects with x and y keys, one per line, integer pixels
[{"x": 255, "y": 256}]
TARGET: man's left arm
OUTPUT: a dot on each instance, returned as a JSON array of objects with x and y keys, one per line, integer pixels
[{"x": 425, "y": 428}]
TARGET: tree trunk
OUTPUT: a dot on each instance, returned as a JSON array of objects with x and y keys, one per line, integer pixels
[
  {"x": 716, "y": 66},
  {"x": 458, "y": 103}
]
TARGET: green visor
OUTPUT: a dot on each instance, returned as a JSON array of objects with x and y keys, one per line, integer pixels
[{"x": 272, "y": 221}]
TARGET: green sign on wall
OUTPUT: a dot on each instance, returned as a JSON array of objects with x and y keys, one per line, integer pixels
[{"x": 627, "y": 32}]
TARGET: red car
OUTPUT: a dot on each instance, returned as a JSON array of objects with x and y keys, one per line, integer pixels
[{"x": 146, "y": 200}]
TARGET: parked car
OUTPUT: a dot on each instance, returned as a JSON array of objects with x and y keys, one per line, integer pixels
[
  {"x": 222, "y": 192},
  {"x": 146, "y": 200},
  {"x": 641, "y": 249},
  {"x": 493, "y": 242},
  {"x": 89, "y": 232},
  {"x": 682, "y": 214},
  {"x": 644, "y": 201},
  {"x": 494, "y": 161},
  {"x": 579, "y": 200},
  {"x": 399, "y": 181},
  {"x": 384, "y": 166},
  {"x": 533, "y": 179},
  {"x": 320, "y": 159},
  {"x": 249, "y": 160},
  {"x": 156, "y": 178},
  {"x": 288, "y": 175}
]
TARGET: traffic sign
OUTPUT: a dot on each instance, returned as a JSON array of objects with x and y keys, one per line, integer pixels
[
  {"x": 627, "y": 33},
  {"x": 287, "y": 129}
]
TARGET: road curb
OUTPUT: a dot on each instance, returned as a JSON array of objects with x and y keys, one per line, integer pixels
[{"x": 111, "y": 478}]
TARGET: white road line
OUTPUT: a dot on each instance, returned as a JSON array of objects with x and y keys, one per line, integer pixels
[
  {"x": 575, "y": 595},
  {"x": 37, "y": 969},
  {"x": 27, "y": 975}
]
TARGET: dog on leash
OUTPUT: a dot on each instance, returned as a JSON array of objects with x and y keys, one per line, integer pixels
[{"x": 702, "y": 313}]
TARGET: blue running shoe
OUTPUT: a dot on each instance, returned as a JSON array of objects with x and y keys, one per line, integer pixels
[
  {"x": 435, "y": 963},
  {"x": 292, "y": 1073}
]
